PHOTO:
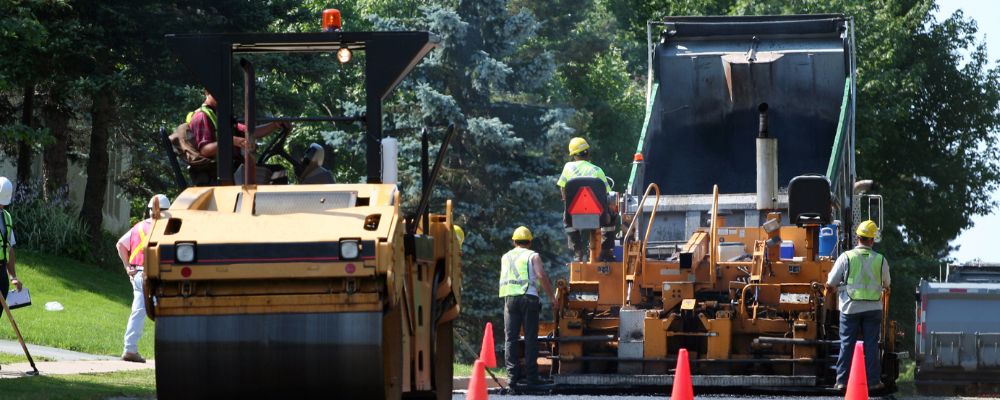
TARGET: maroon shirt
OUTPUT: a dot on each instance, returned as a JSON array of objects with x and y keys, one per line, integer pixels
[{"x": 204, "y": 133}]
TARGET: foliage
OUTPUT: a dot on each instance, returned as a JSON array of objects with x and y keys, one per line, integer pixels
[{"x": 51, "y": 226}]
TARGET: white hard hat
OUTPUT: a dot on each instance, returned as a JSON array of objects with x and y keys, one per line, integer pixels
[
  {"x": 6, "y": 191},
  {"x": 164, "y": 202}
]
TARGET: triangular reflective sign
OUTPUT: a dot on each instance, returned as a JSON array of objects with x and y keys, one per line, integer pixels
[{"x": 585, "y": 202}]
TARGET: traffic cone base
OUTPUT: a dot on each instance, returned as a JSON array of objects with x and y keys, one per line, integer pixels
[
  {"x": 857, "y": 381},
  {"x": 682, "y": 388},
  {"x": 488, "y": 352},
  {"x": 477, "y": 383}
]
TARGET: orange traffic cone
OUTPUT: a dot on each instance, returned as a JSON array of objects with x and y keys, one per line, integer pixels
[
  {"x": 857, "y": 381},
  {"x": 477, "y": 383},
  {"x": 683, "y": 389},
  {"x": 488, "y": 352}
]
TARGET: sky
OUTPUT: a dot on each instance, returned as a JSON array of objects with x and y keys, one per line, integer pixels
[{"x": 978, "y": 241}]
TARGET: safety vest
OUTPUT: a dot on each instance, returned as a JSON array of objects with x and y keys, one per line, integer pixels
[
  {"x": 582, "y": 168},
  {"x": 514, "y": 277},
  {"x": 5, "y": 238},
  {"x": 864, "y": 276},
  {"x": 209, "y": 112},
  {"x": 137, "y": 242}
]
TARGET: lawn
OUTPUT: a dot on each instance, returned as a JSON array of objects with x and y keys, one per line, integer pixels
[
  {"x": 141, "y": 384},
  {"x": 96, "y": 303}
]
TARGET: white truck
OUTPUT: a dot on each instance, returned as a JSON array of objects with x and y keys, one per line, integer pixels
[{"x": 958, "y": 332}]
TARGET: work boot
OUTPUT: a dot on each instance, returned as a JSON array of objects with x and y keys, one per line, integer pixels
[
  {"x": 839, "y": 387},
  {"x": 133, "y": 357}
]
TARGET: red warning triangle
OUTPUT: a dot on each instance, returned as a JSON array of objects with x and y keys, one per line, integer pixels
[{"x": 585, "y": 202}]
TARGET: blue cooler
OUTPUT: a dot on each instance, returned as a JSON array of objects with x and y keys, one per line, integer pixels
[
  {"x": 787, "y": 249},
  {"x": 828, "y": 240},
  {"x": 618, "y": 253}
]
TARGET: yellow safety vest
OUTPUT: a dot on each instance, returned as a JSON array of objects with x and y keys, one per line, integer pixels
[
  {"x": 582, "y": 168},
  {"x": 209, "y": 112},
  {"x": 864, "y": 277},
  {"x": 8, "y": 227},
  {"x": 514, "y": 277}
]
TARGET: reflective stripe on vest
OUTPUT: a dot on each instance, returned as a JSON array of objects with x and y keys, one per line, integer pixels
[
  {"x": 9, "y": 228},
  {"x": 864, "y": 277},
  {"x": 582, "y": 168},
  {"x": 137, "y": 242},
  {"x": 209, "y": 112},
  {"x": 514, "y": 277}
]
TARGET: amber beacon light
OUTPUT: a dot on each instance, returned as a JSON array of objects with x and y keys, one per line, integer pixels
[{"x": 331, "y": 20}]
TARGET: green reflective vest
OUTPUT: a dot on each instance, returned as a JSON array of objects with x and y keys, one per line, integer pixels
[
  {"x": 209, "y": 112},
  {"x": 514, "y": 277},
  {"x": 5, "y": 237},
  {"x": 864, "y": 276},
  {"x": 582, "y": 168}
]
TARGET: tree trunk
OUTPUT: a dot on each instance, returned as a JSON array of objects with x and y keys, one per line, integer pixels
[
  {"x": 92, "y": 211},
  {"x": 54, "y": 163},
  {"x": 24, "y": 150}
]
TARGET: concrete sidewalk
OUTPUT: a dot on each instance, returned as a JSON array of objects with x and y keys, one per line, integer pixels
[{"x": 64, "y": 362}]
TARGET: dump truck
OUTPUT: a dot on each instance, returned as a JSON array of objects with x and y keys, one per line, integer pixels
[
  {"x": 310, "y": 290},
  {"x": 742, "y": 194},
  {"x": 957, "y": 346}
]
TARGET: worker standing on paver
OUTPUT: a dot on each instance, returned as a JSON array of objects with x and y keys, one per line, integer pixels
[
  {"x": 131, "y": 247},
  {"x": 7, "y": 240},
  {"x": 581, "y": 166},
  {"x": 860, "y": 275},
  {"x": 521, "y": 271}
]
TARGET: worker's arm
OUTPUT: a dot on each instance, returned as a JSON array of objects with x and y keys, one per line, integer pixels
[
  {"x": 12, "y": 270},
  {"x": 536, "y": 265},
  {"x": 886, "y": 281},
  {"x": 267, "y": 129},
  {"x": 123, "y": 251},
  {"x": 836, "y": 277},
  {"x": 562, "y": 191}
]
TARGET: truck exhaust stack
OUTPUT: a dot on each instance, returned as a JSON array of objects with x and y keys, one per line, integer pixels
[{"x": 767, "y": 164}]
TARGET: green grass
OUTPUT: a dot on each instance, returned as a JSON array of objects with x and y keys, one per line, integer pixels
[
  {"x": 85, "y": 386},
  {"x": 459, "y": 369},
  {"x": 96, "y": 302},
  {"x": 19, "y": 358}
]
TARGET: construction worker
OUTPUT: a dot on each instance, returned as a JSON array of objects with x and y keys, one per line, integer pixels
[
  {"x": 7, "y": 241},
  {"x": 204, "y": 123},
  {"x": 131, "y": 248},
  {"x": 581, "y": 166},
  {"x": 860, "y": 275},
  {"x": 521, "y": 271}
]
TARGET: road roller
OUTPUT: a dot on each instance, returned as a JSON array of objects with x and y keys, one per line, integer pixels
[
  {"x": 275, "y": 283},
  {"x": 743, "y": 193}
]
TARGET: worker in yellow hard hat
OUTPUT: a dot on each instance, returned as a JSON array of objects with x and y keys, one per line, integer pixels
[
  {"x": 521, "y": 271},
  {"x": 459, "y": 235},
  {"x": 581, "y": 166},
  {"x": 860, "y": 276}
]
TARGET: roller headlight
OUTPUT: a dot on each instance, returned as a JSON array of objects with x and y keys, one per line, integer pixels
[
  {"x": 185, "y": 252},
  {"x": 349, "y": 249}
]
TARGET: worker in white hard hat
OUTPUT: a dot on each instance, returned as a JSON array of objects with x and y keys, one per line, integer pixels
[
  {"x": 131, "y": 248},
  {"x": 8, "y": 270},
  {"x": 521, "y": 271},
  {"x": 581, "y": 166},
  {"x": 861, "y": 276}
]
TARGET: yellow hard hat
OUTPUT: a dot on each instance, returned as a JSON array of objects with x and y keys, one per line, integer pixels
[
  {"x": 459, "y": 234},
  {"x": 521, "y": 233},
  {"x": 867, "y": 229},
  {"x": 577, "y": 145}
]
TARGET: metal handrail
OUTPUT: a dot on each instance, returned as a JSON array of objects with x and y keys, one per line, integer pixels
[{"x": 626, "y": 285}]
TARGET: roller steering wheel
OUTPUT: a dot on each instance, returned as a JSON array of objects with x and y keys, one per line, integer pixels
[{"x": 277, "y": 148}]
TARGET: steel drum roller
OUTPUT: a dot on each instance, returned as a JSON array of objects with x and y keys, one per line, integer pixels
[{"x": 270, "y": 355}]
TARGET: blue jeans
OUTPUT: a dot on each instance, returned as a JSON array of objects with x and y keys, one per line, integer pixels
[{"x": 868, "y": 324}]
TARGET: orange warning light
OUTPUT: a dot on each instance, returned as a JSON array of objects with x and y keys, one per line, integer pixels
[{"x": 331, "y": 20}]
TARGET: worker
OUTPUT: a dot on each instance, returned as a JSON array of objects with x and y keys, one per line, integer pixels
[
  {"x": 860, "y": 276},
  {"x": 131, "y": 247},
  {"x": 7, "y": 241},
  {"x": 521, "y": 271},
  {"x": 204, "y": 123},
  {"x": 581, "y": 166}
]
